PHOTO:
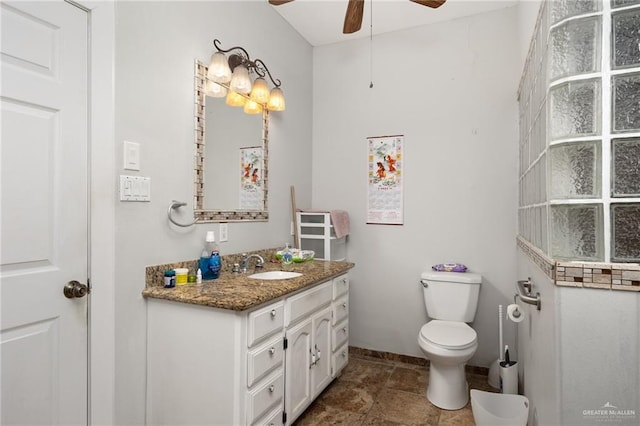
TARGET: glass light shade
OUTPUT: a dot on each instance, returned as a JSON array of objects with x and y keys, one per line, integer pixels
[
  {"x": 240, "y": 81},
  {"x": 215, "y": 90},
  {"x": 219, "y": 70},
  {"x": 235, "y": 99},
  {"x": 252, "y": 107},
  {"x": 276, "y": 100},
  {"x": 260, "y": 91}
]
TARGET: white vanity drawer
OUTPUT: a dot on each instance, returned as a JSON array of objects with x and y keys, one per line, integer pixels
[
  {"x": 264, "y": 322},
  {"x": 340, "y": 309},
  {"x": 340, "y": 359},
  {"x": 339, "y": 334},
  {"x": 306, "y": 302},
  {"x": 263, "y": 360},
  {"x": 265, "y": 398},
  {"x": 272, "y": 419},
  {"x": 340, "y": 286}
]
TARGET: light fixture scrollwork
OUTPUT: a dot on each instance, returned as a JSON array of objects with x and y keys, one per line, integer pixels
[{"x": 231, "y": 78}]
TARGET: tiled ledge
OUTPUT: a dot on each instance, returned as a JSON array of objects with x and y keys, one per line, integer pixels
[{"x": 606, "y": 276}]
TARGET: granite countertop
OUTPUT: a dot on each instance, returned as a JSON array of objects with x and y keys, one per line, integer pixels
[{"x": 237, "y": 292}]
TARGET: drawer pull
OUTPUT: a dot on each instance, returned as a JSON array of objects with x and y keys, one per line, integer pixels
[
  {"x": 344, "y": 354},
  {"x": 344, "y": 305},
  {"x": 273, "y": 313},
  {"x": 271, "y": 389},
  {"x": 344, "y": 329},
  {"x": 272, "y": 350}
]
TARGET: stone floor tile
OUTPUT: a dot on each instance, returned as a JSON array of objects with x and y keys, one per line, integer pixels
[
  {"x": 320, "y": 414},
  {"x": 350, "y": 396},
  {"x": 462, "y": 417},
  {"x": 409, "y": 380},
  {"x": 368, "y": 372},
  {"x": 405, "y": 408}
]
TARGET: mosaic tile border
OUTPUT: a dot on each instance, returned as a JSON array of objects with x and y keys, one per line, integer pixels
[{"x": 605, "y": 276}]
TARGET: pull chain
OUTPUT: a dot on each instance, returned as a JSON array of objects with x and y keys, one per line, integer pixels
[{"x": 371, "y": 43}]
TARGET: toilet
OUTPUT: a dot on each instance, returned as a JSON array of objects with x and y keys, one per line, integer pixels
[
  {"x": 496, "y": 409},
  {"x": 448, "y": 342}
]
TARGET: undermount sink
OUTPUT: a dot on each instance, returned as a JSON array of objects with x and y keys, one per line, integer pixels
[{"x": 275, "y": 275}]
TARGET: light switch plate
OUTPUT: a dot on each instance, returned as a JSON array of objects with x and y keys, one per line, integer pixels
[
  {"x": 131, "y": 155},
  {"x": 135, "y": 188}
]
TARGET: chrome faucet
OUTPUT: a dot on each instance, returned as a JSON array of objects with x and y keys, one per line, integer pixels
[{"x": 245, "y": 261}]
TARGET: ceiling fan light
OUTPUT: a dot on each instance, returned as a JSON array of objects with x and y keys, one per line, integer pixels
[
  {"x": 276, "y": 100},
  {"x": 215, "y": 90},
  {"x": 252, "y": 107},
  {"x": 240, "y": 81},
  {"x": 219, "y": 70},
  {"x": 235, "y": 99},
  {"x": 260, "y": 91}
]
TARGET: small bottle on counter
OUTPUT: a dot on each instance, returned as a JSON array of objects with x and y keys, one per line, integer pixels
[
  {"x": 199, "y": 276},
  {"x": 169, "y": 278}
]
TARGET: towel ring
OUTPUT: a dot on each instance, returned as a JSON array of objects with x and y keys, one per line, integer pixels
[{"x": 174, "y": 206}]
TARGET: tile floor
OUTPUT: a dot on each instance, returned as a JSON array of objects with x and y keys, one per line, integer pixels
[{"x": 374, "y": 391}]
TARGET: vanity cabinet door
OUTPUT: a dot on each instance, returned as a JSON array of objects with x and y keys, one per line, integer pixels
[
  {"x": 298, "y": 364},
  {"x": 321, "y": 352}
]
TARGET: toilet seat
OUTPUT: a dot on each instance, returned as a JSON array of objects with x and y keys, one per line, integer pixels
[{"x": 449, "y": 334}]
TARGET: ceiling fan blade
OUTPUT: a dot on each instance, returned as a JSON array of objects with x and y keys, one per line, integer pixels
[
  {"x": 279, "y": 2},
  {"x": 430, "y": 3},
  {"x": 353, "y": 17}
]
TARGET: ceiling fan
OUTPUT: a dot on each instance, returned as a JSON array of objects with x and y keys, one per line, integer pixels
[{"x": 355, "y": 9}]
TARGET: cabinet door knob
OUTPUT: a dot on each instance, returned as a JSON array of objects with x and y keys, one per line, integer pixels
[
  {"x": 271, "y": 389},
  {"x": 272, "y": 350},
  {"x": 273, "y": 313}
]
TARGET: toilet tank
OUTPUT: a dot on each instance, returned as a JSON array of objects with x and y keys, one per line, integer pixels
[{"x": 451, "y": 296}]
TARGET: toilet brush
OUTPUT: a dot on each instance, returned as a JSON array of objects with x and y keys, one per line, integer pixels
[{"x": 494, "y": 370}]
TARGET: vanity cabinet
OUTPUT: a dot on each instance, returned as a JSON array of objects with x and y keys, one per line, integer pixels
[{"x": 263, "y": 366}]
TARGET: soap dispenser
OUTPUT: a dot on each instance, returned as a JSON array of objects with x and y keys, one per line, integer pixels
[{"x": 287, "y": 256}]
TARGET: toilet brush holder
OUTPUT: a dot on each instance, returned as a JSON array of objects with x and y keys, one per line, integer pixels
[{"x": 509, "y": 377}]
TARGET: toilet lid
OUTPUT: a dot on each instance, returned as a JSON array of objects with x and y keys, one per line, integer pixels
[{"x": 449, "y": 334}]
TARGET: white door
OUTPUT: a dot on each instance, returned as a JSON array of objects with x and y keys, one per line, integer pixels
[{"x": 44, "y": 213}]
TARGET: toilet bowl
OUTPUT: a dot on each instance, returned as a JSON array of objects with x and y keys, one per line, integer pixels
[
  {"x": 448, "y": 345},
  {"x": 498, "y": 409}
]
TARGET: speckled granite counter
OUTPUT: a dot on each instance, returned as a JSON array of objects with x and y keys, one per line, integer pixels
[{"x": 238, "y": 292}]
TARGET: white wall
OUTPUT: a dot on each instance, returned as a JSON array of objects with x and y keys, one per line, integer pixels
[
  {"x": 450, "y": 89},
  {"x": 539, "y": 347},
  {"x": 156, "y": 45}
]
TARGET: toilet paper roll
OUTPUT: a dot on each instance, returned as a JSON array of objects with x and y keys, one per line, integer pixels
[{"x": 515, "y": 313}]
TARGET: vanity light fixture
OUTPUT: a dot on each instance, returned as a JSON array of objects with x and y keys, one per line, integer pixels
[{"x": 233, "y": 75}]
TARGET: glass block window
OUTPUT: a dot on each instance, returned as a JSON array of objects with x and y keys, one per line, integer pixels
[
  {"x": 575, "y": 170},
  {"x": 626, "y": 102},
  {"x": 626, "y": 36},
  {"x": 561, "y": 9},
  {"x": 579, "y": 175},
  {"x": 575, "y": 48},
  {"x": 575, "y": 109},
  {"x": 620, "y": 3},
  {"x": 625, "y": 168},
  {"x": 625, "y": 232},
  {"x": 576, "y": 232}
]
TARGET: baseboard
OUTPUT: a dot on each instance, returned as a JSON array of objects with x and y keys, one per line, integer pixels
[{"x": 407, "y": 359}]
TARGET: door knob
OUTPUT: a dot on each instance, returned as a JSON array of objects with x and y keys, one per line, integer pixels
[{"x": 75, "y": 289}]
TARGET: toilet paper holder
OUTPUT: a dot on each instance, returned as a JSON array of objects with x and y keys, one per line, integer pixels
[{"x": 525, "y": 291}]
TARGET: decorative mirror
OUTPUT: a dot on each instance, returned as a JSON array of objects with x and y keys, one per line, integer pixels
[{"x": 231, "y": 159}]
